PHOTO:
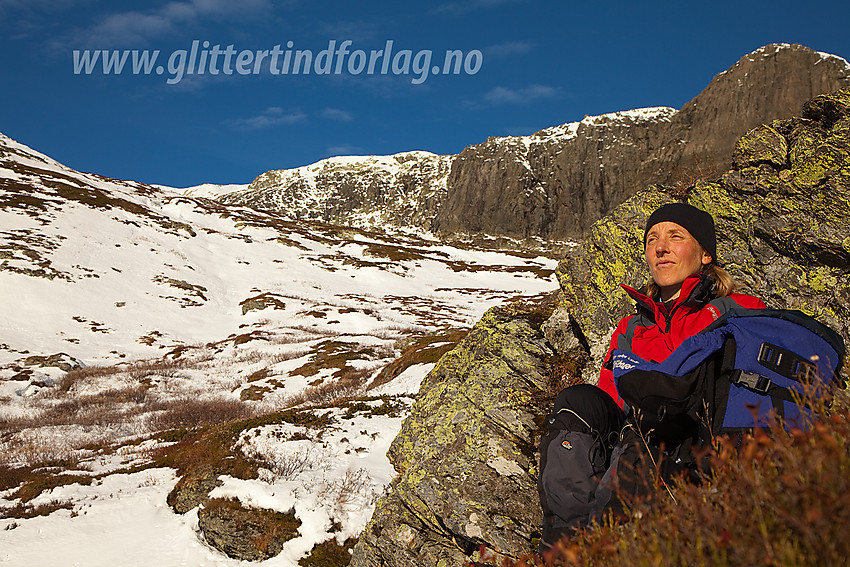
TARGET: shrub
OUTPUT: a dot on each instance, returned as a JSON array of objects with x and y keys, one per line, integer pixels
[
  {"x": 344, "y": 494},
  {"x": 329, "y": 554},
  {"x": 775, "y": 497},
  {"x": 192, "y": 412},
  {"x": 349, "y": 383}
]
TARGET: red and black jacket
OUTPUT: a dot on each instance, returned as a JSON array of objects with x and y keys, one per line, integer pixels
[{"x": 654, "y": 332}]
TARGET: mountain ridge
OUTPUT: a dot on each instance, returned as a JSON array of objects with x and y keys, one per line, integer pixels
[{"x": 579, "y": 170}]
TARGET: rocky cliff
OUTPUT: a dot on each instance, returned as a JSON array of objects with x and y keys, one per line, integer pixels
[
  {"x": 554, "y": 184},
  {"x": 566, "y": 183},
  {"x": 466, "y": 455},
  {"x": 404, "y": 189}
]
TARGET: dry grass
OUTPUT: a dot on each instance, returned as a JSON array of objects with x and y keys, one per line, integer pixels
[
  {"x": 23, "y": 511},
  {"x": 193, "y": 412},
  {"x": 138, "y": 371},
  {"x": 329, "y": 554},
  {"x": 350, "y": 383},
  {"x": 775, "y": 497},
  {"x": 424, "y": 350}
]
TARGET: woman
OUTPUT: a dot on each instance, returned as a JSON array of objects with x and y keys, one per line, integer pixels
[{"x": 686, "y": 293}]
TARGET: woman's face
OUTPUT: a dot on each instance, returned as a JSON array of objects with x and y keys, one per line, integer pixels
[{"x": 672, "y": 255}]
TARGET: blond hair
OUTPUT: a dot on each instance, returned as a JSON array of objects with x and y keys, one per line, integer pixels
[{"x": 724, "y": 283}]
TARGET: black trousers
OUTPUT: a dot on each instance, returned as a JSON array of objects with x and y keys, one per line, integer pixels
[{"x": 591, "y": 459}]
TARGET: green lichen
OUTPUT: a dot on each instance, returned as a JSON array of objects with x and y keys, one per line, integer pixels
[
  {"x": 762, "y": 144},
  {"x": 815, "y": 168},
  {"x": 821, "y": 279}
]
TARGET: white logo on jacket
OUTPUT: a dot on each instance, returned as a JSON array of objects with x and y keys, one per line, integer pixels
[{"x": 622, "y": 361}]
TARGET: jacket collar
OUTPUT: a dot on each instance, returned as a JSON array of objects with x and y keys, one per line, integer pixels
[{"x": 697, "y": 289}]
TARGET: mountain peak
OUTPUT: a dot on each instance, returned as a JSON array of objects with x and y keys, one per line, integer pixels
[{"x": 555, "y": 183}]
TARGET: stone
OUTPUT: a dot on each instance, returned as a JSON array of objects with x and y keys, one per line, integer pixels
[
  {"x": 61, "y": 360},
  {"x": 465, "y": 456},
  {"x": 762, "y": 144},
  {"x": 247, "y": 534}
]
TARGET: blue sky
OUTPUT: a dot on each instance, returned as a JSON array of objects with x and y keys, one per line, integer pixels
[{"x": 529, "y": 65}]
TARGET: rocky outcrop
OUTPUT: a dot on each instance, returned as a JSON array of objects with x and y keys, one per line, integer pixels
[
  {"x": 782, "y": 224},
  {"x": 465, "y": 456},
  {"x": 553, "y": 183},
  {"x": 770, "y": 83},
  {"x": 555, "y": 187},
  {"x": 404, "y": 189},
  {"x": 245, "y": 534},
  {"x": 556, "y": 183}
]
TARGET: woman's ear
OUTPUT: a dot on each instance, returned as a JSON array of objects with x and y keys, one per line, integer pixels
[{"x": 706, "y": 258}]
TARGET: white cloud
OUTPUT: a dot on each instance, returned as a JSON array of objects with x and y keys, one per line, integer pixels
[
  {"x": 509, "y": 48},
  {"x": 345, "y": 150},
  {"x": 337, "y": 114},
  {"x": 134, "y": 28},
  {"x": 504, "y": 95},
  {"x": 21, "y": 19},
  {"x": 272, "y": 116},
  {"x": 129, "y": 28},
  {"x": 355, "y": 30},
  {"x": 458, "y": 8},
  {"x": 521, "y": 130}
]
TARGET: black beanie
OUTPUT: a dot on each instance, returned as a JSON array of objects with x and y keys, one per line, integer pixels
[{"x": 698, "y": 222}]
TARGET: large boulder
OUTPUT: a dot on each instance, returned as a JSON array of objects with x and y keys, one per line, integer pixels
[{"x": 466, "y": 455}]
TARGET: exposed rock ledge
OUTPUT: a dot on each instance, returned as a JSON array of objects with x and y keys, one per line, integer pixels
[{"x": 466, "y": 455}]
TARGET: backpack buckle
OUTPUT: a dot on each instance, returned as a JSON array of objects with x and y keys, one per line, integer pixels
[
  {"x": 755, "y": 382},
  {"x": 785, "y": 362}
]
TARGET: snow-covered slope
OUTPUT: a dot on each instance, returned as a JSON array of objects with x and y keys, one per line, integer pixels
[
  {"x": 168, "y": 304},
  {"x": 102, "y": 270}
]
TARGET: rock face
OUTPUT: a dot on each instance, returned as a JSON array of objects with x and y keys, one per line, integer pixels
[
  {"x": 402, "y": 190},
  {"x": 466, "y": 456},
  {"x": 768, "y": 84},
  {"x": 550, "y": 184},
  {"x": 556, "y": 183}
]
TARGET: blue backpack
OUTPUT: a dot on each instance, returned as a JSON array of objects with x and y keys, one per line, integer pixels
[{"x": 732, "y": 376}]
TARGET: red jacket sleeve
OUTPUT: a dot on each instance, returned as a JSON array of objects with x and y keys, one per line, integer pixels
[{"x": 748, "y": 301}]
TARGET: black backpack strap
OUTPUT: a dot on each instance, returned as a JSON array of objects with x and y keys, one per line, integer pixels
[
  {"x": 762, "y": 385},
  {"x": 832, "y": 338},
  {"x": 785, "y": 363}
]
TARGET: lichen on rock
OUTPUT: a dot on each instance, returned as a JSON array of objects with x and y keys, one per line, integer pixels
[{"x": 466, "y": 455}]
